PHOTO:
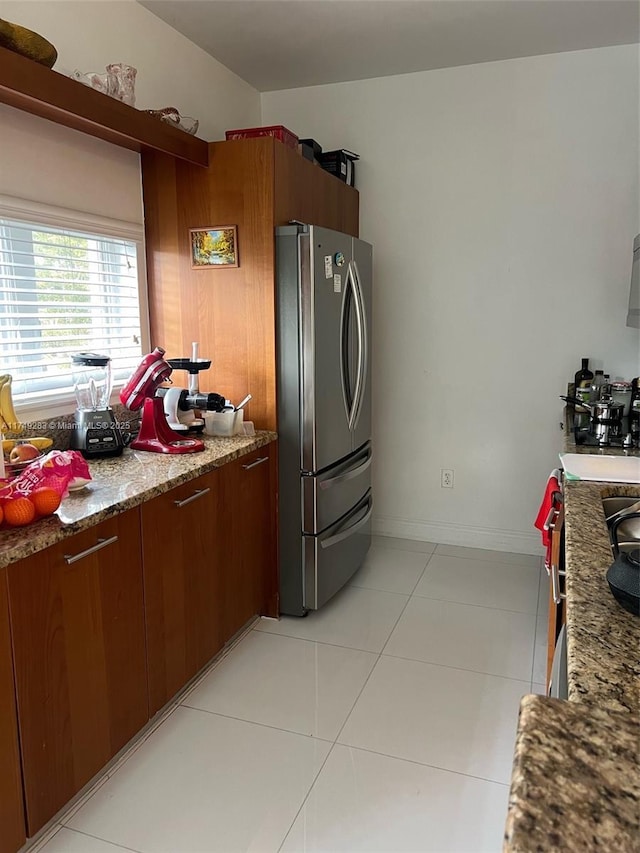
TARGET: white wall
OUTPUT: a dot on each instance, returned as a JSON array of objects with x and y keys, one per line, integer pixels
[
  {"x": 45, "y": 162},
  {"x": 502, "y": 202}
]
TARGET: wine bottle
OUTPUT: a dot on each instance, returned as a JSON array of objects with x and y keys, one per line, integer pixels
[{"x": 584, "y": 376}]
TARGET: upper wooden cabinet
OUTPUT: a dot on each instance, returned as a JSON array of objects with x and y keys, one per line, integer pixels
[
  {"x": 255, "y": 184},
  {"x": 77, "y": 622},
  {"x": 12, "y": 827}
]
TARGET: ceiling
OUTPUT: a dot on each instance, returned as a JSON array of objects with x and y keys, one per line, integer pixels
[{"x": 283, "y": 44}]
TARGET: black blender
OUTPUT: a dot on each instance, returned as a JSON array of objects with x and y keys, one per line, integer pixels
[{"x": 95, "y": 434}]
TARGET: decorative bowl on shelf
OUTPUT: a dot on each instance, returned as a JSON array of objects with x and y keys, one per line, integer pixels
[
  {"x": 170, "y": 115},
  {"x": 27, "y": 43},
  {"x": 118, "y": 82}
]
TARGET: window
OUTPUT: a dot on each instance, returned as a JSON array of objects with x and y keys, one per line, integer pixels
[{"x": 65, "y": 290}]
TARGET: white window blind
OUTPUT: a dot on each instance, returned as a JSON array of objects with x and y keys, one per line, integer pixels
[{"x": 64, "y": 291}]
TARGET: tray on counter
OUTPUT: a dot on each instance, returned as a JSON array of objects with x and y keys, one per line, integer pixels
[{"x": 606, "y": 469}]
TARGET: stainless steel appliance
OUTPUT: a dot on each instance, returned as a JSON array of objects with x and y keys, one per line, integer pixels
[
  {"x": 558, "y": 683},
  {"x": 324, "y": 405},
  {"x": 96, "y": 433}
]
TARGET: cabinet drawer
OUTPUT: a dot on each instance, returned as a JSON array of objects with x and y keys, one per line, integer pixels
[{"x": 182, "y": 563}]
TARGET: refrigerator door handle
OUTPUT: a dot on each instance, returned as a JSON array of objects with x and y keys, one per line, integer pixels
[
  {"x": 348, "y": 475},
  {"x": 363, "y": 354},
  {"x": 345, "y": 533},
  {"x": 347, "y": 397}
]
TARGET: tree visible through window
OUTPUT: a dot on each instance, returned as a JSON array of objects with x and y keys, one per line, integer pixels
[{"x": 63, "y": 292}]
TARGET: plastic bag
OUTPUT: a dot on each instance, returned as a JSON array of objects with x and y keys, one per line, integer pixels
[{"x": 54, "y": 472}]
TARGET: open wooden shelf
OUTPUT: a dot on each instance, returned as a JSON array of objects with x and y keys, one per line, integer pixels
[{"x": 32, "y": 87}]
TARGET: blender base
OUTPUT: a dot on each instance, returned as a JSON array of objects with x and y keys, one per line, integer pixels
[{"x": 95, "y": 434}]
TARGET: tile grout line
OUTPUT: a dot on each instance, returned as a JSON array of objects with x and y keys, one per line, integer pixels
[
  {"x": 424, "y": 764},
  {"x": 456, "y": 668},
  {"x": 366, "y": 681},
  {"x": 105, "y": 840},
  {"x": 306, "y": 796},
  {"x": 347, "y": 746},
  {"x": 256, "y": 723},
  {"x": 471, "y": 604},
  {"x": 395, "y": 624}
]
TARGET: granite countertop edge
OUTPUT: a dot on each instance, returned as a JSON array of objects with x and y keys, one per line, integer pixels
[
  {"x": 602, "y": 638},
  {"x": 120, "y": 484},
  {"x": 575, "y": 784}
]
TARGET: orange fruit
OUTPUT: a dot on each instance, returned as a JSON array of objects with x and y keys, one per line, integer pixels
[
  {"x": 1, "y": 514},
  {"x": 19, "y": 512},
  {"x": 46, "y": 500}
]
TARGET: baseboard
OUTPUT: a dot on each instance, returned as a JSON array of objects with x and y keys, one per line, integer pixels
[{"x": 450, "y": 533}]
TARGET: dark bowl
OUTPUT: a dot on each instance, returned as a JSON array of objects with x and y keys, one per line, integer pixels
[{"x": 623, "y": 578}]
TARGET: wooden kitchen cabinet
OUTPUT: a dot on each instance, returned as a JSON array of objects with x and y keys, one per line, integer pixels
[
  {"x": 12, "y": 826},
  {"x": 77, "y": 623},
  {"x": 255, "y": 184},
  {"x": 183, "y": 560},
  {"x": 250, "y": 577}
]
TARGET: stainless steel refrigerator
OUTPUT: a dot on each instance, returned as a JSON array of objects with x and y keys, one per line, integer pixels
[{"x": 324, "y": 412}]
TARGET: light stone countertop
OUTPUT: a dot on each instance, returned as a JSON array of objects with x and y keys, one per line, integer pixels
[
  {"x": 122, "y": 483},
  {"x": 575, "y": 783}
]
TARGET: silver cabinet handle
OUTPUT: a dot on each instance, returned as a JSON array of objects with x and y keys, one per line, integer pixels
[
  {"x": 555, "y": 584},
  {"x": 548, "y": 523},
  {"x": 102, "y": 543},
  {"x": 197, "y": 494},
  {"x": 259, "y": 461}
]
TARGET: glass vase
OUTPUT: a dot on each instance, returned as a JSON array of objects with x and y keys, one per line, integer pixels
[{"x": 126, "y": 81}]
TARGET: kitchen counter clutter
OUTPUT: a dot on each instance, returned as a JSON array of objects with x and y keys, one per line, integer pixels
[
  {"x": 570, "y": 445},
  {"x": 120, "y": 484},
  {"x": 575, "y": 784}
]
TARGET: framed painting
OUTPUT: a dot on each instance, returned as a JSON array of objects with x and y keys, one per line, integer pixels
[{"x": 216, "y": 246}]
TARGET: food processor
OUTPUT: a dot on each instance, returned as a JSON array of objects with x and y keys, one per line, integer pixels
[{"x": 95, "y": 433}]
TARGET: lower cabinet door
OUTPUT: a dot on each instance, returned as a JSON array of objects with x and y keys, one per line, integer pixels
[
  {"x": 183, "y": 558},
  {"x": 250, "y": 577},
  {"x": 557, "y": 598},
  {"x": 12, "y": 827},
  {"x": 79, "y": 650}
]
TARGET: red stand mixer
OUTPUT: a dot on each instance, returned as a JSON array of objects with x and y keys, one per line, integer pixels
[{"x": 155, "y": 434}]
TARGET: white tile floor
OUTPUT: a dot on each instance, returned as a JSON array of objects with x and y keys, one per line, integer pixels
[{"x": 384, "y": 722}]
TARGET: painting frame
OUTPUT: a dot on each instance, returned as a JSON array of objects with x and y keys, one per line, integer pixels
[{"x": 203, "y": 258}]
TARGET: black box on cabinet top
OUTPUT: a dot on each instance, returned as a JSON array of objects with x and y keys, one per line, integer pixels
[
  {"x": 310, "y": 149},
  {"x": 341, "y": 164}
]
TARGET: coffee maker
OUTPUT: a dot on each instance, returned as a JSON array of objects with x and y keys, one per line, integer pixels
[{"x": 96, "y": 434}]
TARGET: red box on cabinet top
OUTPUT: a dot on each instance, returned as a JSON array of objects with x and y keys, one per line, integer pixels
[{"x": 278, "y": 131}]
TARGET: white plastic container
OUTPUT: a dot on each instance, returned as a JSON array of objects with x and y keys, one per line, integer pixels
[{"x": 220, "y": 423}]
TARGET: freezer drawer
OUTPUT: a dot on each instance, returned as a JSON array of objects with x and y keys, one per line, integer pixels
[
  {"x": 328, "y": 496},
  {"x": 331, "y": 558}
]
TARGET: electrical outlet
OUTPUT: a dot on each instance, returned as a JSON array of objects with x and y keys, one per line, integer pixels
[{"x": 446, "y": 478}]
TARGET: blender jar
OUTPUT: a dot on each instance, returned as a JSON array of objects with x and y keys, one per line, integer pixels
[{"x": 91, "y": 375}]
